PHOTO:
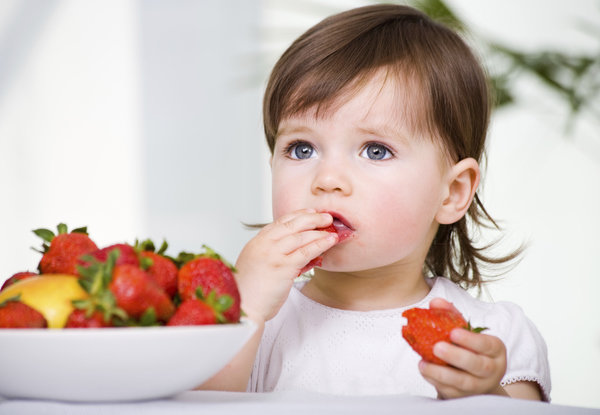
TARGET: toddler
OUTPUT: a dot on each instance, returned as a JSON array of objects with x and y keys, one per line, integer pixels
[{"x": 376, "y": 120}]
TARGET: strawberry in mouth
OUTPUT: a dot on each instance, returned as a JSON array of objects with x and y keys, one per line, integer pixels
[{"x": 343, "y": 230}]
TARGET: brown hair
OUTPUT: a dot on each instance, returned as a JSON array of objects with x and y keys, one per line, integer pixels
[{"x": 345, "y": 49}]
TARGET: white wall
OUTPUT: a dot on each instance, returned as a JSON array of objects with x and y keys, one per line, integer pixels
[
  {"x": 138, "y": 119},
  {"x": 142, "y": 119},
  {"x": 69, "y": 123}
]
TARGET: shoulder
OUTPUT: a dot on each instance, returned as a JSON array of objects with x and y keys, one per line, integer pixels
[{"x": 500, "y": 315}]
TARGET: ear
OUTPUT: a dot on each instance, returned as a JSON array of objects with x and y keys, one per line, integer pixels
[{"x": 463, "y": 179}]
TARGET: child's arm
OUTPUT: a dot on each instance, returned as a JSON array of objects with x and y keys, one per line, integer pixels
[
  {"x": 267, "y": 267},
  {"x": 478, "y": 363}
]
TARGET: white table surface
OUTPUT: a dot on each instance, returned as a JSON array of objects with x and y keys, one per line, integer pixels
[{"x": 283, "y": 403}]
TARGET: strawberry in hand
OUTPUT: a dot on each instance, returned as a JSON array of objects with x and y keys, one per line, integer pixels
[
  {"x": 210, "y": 272},
  {"x": 428, "y": 326},
  {"x": 343, "y": 231},
  {"x": 62, "y": 251}
]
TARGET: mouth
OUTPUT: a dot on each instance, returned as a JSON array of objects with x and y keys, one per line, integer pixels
[{"x": 342, "y": 227}]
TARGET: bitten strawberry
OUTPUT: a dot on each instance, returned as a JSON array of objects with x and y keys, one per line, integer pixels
[
  {"x": 17, "y": 315},
  {"x": 17, "y": 277},
  {"x": 318, "y": 261},
  {"x": 61, "y": 252},
  {"x": 210, "y": 272},
  {"x": 427, "y": 326},
  {"x": 136, "y": 293},
  {"x": 80, "y": 319}
]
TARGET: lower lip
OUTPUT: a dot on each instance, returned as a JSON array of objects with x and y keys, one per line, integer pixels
[{"x": 342, "y": 231}]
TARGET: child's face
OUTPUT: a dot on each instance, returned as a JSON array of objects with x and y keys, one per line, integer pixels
[{"x": 363, "y": 163}]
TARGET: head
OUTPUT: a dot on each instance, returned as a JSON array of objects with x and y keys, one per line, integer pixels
[{"x": 447, "y": 91}]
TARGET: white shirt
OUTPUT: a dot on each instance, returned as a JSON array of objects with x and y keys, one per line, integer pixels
[{"x": 309, "y": 346}]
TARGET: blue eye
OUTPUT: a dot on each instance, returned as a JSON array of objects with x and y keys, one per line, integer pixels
[
  {"x": 374, "y": 151},
  {"x": 300, "y": 151}
]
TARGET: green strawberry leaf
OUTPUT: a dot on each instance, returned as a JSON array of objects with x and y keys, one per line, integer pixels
[
  {"x": 62, "y": 228},
  {"x": 475, "y": 329},
  {"x": 163, "y": 247},
  {"x": 82, "y": 229},
  {"x": 46, "y": 234},
  {"x": 148, "y": 318},
  {"x": 146, "y": 263}
]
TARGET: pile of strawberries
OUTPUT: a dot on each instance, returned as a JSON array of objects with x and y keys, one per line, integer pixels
[{"x": 130, "y": 285}]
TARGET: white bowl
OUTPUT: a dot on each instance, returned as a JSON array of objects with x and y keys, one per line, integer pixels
[{"x": 114, "y": 364}]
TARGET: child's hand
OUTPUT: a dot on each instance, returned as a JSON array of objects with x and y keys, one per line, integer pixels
[
  {"x": 477, "y": 363},
  {"x": 269, "y": 263}
]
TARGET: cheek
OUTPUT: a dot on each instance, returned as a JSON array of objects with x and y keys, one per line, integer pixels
[
  {"x": 403, "y": 217},
  {"x": 284, "y": 197}
]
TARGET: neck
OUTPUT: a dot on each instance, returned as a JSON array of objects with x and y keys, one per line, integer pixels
[{"x": 375, "y": 289}]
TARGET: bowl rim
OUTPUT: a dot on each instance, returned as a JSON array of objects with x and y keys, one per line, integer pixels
[{"x": 112, "y": 331}]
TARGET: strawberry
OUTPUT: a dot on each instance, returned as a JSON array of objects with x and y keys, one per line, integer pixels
[
  {"x": 427, "y": 326},
  {"x": 160, "y": 268},
  {"x": 61, "y": 252},
  {"x": 17, "y": 277},
  {"x": 127, "y": 254},
  {"x": 210, "y": 272},
  {"x": 318, "y": 261},
  {"x": 17, "y": 315},
  {"x": 200, "y": 310},
  {"x": 79, "y": 319},
  {"x": 193, "y": 312},
  {"x": 136, "y": 293}
]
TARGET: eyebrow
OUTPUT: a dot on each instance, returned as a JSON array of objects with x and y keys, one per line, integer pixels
[
  {"x": 292, "y": 129},
  {"x": 384, "y": 131},
  {"x": 377, "y": 131}
]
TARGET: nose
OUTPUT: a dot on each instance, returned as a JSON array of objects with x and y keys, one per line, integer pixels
[{"x": 332, "y": 178}]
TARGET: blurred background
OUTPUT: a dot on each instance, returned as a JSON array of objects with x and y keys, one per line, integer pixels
[{"x": 142, "y": 119}]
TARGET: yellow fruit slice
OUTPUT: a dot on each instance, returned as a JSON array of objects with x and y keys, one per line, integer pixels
[{"x": 50, "y": 294}]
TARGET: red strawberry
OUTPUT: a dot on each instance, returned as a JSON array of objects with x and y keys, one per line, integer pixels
[
  {"x": 198, "y": 310},
  {"x": 209, "y": 272},
  {"x": 318, "y": 261},
  {"x": 80, "y": 319},
  {"x": 127, "y": 254},
  {"x": 17, "y": 277},
  {"x": 193, "y": 312},
  {"x": 17, "y": 315},
  {"x": 61, "y": 256},
  {"x": 162, "y": 270},
  {"x": 427, "y": 326},
  {"x": 135, "y": 292}
]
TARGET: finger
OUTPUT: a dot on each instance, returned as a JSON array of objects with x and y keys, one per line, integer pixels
[
  {"x": 478, "y": 365},
  {"x": 442, "y": 303},
  {"x": 290, "y": 243},
  {"x": 449, "y": 382},
  {"x": 308, "y": 252},
  {"x": 297, "y": 222},
  {"x": 478, "y": 342}
]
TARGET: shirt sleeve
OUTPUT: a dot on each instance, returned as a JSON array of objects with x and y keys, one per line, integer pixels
[{"x": 526, "y": 351}]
